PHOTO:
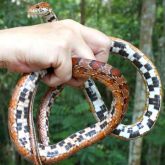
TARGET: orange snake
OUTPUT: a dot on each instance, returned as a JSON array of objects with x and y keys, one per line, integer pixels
[{"x": 22, "y": 99}]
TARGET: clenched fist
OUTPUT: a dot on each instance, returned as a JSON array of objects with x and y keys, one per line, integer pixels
[{"x": 32, "y": 48}]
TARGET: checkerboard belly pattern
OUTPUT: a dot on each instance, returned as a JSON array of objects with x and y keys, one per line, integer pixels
[
  {"x": 22, "y": 99},
  {"x": 153, "y": 94},
  {"x": 100, "y": 111},
  {"x": 153, "y": 91}
]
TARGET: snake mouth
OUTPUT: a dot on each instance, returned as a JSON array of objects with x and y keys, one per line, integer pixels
[{"x": 41, "y": 12}]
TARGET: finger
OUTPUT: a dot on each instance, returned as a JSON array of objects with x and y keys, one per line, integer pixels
[
  {"x": 102, "y": 56},
  {"x": 99, "y": 42},
  {"x": 75, "y": 82},
  {"x": 81, "y": 49},
  {"x": 62, "y": 72}
]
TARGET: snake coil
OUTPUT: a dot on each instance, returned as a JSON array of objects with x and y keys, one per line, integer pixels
[{"x": 22, "y": 101}]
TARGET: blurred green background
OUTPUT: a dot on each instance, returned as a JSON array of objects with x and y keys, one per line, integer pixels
[{"x": 131, "y": 20}]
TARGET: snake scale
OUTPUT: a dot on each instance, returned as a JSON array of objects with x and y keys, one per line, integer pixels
[
  {"x": 99, "y": 109},
  {"x": 22, "y": 100},
  {"x": 23, "y": 96}
]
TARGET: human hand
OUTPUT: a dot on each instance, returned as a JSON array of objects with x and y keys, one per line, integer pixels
[{"x": 32, "y": 48}]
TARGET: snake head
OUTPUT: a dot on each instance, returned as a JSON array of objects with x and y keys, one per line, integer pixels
[{"x": 39, "y": 9}]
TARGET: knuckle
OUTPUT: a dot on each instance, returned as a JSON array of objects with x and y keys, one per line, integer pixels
[
  {"x": 107, "y": 43},
  {"x": 69, "y": 21},
  {"x": 62, "y": 45},
  {"x": 68, "y": 32},
  {"x": 73, "y": 25},
  {"x": 64, "y": 41},
  {"x": 105, "y": 52},
  {"x": 66, "y": 78}
]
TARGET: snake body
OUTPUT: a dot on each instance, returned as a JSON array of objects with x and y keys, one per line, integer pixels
[
  {"x": 22, "y": 99},
  {"x": 153, "y": 96},
  {"x": 24, "y": 92},
  {"x": 153, "y": 92},
  {"x": 152, "y": 82}
]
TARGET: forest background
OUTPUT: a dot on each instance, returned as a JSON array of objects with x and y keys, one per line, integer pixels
[{"x": 141, "y": 22}]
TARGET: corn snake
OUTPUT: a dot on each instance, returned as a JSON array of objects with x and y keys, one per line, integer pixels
[
  {"x": 144, "y": 66},
  {"x": 144, "y": 125}
]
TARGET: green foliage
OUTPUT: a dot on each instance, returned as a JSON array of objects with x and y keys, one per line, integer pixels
[{"x": 71, "y": 111}]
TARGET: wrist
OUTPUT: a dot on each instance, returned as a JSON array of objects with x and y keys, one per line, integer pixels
[
  {"x": 9, "y": 47},
  {"x": 3, "y": 49}
]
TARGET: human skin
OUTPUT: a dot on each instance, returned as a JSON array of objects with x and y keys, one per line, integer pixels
[{"x": 32, "y": 48}]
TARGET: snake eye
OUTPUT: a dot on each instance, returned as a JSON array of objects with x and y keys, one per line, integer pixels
[{"x": 37, "y": 7}]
